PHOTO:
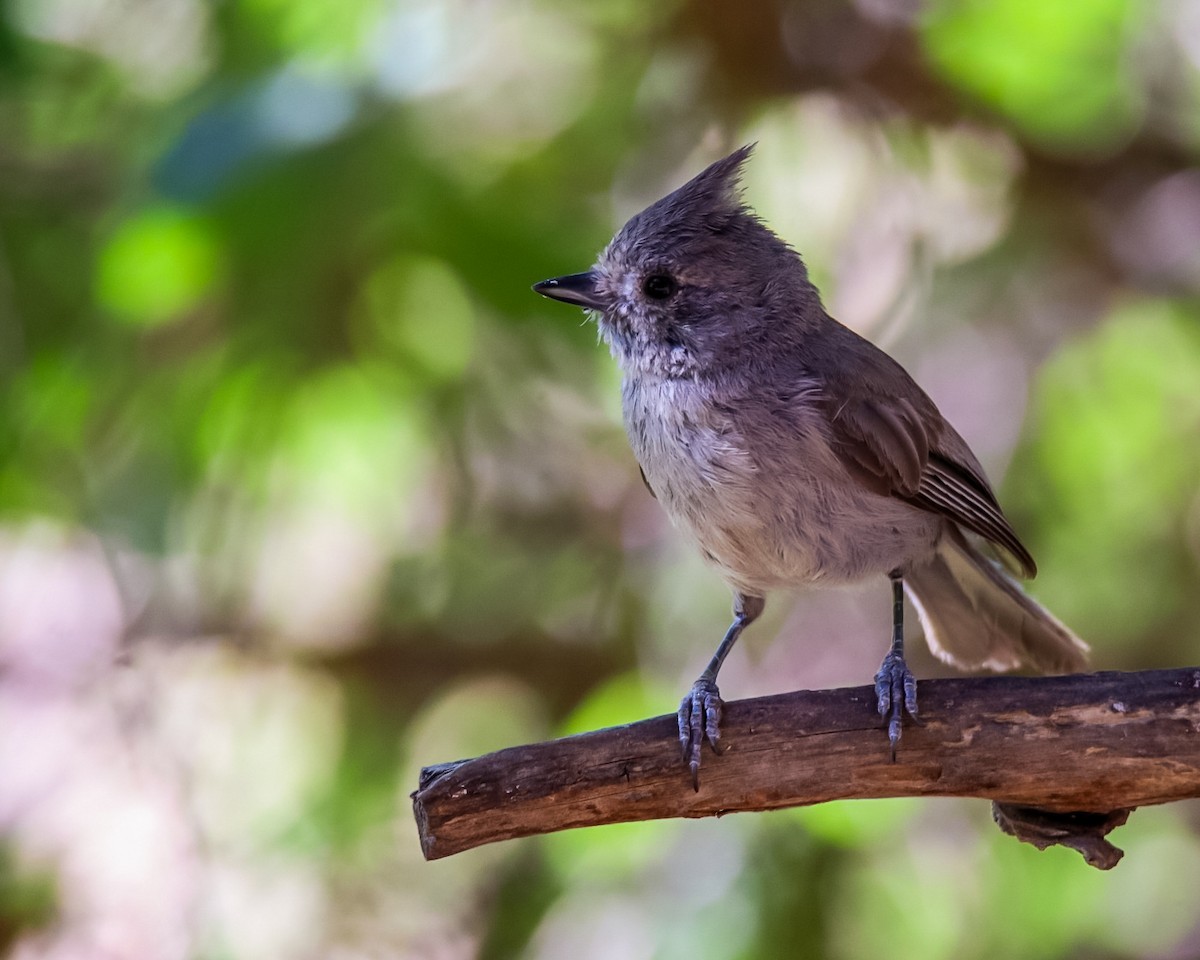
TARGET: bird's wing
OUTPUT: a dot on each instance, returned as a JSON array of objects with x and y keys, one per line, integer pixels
[
  {"x": 884, "y": 443},
  {"x": 642, "y": 471},
  {"x": 950, "y": 487},
  {"x": 898, "y": 444}
]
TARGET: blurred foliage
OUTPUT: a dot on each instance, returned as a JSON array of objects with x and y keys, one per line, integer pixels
[
  {"x": 27, "y": 895},
  {"x": 1058, "y": 71},
  {"x": 301, "y": 488}
]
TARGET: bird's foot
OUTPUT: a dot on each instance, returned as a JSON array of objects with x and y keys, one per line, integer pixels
[
  {"x": 896, "y": 692},
  {"x": 699, "y": 717}
]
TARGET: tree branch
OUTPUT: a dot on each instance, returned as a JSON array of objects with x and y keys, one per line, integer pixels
[{"x": 1065, "y": 757}]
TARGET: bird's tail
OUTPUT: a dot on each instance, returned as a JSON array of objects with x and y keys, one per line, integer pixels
[{"x": 976, "y": 616}]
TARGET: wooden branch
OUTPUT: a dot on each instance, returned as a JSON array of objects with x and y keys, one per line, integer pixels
[{"x": 1068, "y": 747}]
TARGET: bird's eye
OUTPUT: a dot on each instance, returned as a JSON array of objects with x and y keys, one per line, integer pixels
[{"x": 659, "y": 286}]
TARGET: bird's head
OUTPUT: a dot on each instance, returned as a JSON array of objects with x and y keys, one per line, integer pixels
[{"x": 691, "y": 283}]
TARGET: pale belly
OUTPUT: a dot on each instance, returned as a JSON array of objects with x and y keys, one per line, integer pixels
[{"x": 770, "y": 505}]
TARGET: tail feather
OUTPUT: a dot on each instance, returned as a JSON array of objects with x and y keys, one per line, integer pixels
[{"x": 976, "y": 616}]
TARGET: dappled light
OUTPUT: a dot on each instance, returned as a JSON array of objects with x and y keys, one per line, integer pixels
[{"x": 303, "y": 489}]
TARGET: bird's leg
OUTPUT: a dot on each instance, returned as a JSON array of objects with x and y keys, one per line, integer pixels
[
  {"x": 700, "y": 710},
  {"x": 895, "y": 686}
]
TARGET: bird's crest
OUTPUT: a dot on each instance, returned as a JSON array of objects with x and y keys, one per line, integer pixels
[{"x": 708, "y": 201}]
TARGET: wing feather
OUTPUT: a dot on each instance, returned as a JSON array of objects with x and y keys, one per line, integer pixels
[{"x": 904, "y": 448}]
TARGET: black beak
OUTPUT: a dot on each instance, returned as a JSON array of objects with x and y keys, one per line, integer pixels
[{"x": 577, "y": 288}]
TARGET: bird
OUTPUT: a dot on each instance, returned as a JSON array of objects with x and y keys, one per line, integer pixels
[{"x": 795, "y": 453}]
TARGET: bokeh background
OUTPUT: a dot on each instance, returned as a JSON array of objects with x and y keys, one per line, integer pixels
[{"x": 301, "y": 488}]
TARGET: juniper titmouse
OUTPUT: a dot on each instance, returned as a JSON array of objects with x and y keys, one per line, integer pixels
[{"x": 796, "y": 452}]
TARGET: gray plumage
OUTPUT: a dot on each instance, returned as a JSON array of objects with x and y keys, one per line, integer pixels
[{"x": 792, "y": 450}]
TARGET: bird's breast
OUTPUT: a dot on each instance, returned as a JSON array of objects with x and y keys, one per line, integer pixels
[{"x": 756, "y": 484}]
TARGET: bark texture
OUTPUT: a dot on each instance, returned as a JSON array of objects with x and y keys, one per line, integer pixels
[{"x": 1063, "y": 758}]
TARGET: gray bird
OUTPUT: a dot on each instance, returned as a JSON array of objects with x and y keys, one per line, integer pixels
[{"x": 795, "y": 452}]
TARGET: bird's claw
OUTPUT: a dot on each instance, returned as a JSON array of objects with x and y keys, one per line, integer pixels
[
  {"x": 896, "y": 692},
  {"x": 699, "y": 719}
]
